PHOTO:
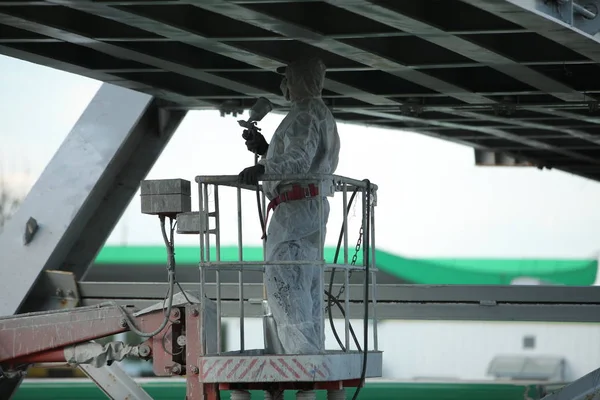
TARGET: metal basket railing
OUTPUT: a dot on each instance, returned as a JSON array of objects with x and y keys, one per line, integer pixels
[{"x": 328, "y": 185}]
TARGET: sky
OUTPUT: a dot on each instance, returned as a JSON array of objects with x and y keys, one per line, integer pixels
[{"x": 432, "y": 200}]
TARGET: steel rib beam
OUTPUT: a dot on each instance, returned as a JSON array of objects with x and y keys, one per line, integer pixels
[
  {"x": 461, "y": 46},
  {"x": 104, "y": 77},
  {"x": 437, "y": 135},
  {"x": 169, "y": 32},
  {"x": 123, "y": 53},
  {"x": 202, "y": 42},
  {"x": 60, "y": 1},
  {"x": 535, "y": 144},
  {"x": 521, "y": 12},
  {"x": 184, "y": 36},
  {"x": 519, "y": 127},
  {"x": 542, "y": 24},
  {"x": 567, "y": 114},
  {"x": 288, "y": 29},
  {"x": 524, "y": 124}
]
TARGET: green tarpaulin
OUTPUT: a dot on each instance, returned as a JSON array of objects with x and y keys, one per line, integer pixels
[{"x": 481, "y": 271}]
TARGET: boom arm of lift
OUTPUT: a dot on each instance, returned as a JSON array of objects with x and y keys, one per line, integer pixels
[
  {"x": 178, "y": 349},
  {"x": 68, "y": 336}
]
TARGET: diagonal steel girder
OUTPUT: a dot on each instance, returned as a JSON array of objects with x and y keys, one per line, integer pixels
[
  {"x": 83, "y": 191},
  {"x": 265, "y": 21},
  {"x": 208, "y": 44},
  {"x": 273, "y": 24},
  {"x": 576, "y": 133},
  {"x": 175, "y": 33},
  {"x": 108, "y": 78},
  {"x": 534, "y": 144},
  {"x": 525, "y": 14},
  {"x": 120, "y": 52},
  {"x": 461, "y": 46},
  {"x": 477, "y": 53},
  {"x": 568, "y": 114},
  {"x": 196, "y": 40}
]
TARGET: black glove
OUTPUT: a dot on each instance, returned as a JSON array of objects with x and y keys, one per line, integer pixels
[
  {"x": 256, "y": 143},
  {"x": 249, "y": 176}
]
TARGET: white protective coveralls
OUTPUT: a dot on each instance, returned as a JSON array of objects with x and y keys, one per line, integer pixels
[{"x": 305, "y": 142}]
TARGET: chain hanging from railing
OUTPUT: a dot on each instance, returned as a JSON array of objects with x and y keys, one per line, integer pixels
[{"x": 353, "y": 263}]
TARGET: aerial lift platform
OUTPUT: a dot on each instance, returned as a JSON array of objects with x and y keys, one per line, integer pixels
[
  {"x": 183, "y": 332},
  {"x": 517, "y": 80}
]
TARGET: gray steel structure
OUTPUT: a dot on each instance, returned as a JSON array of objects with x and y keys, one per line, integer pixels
[
  {"x": 516, "y": 77},
  {"x": 503, "y": 76}
]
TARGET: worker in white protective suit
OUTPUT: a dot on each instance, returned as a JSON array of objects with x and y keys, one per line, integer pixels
[{"x": 306, "y": 142}]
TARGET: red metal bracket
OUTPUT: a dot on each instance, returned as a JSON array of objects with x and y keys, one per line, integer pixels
[{"x": 42, "y": 336}]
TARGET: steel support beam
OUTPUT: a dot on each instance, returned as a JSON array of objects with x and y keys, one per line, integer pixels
[
  {"x": 115, "y": 382},
  {"x": 530, "y": 15},
  {"x": 83, "y": 191},
  {"x": 458, "y": 311},
  {"x": 576, "y": 133},
  {"x": 580, "y": 14},
  {"x": 176, "y": 98},
  {"x": 461, "y": 46},
  {"x": 210, "y": 44},
  {"x": 392, "y": 293},
  {"x": 123, "y": 53},
  {"x": 567, "y": 114},
  {"x": 290, "y": 30},
  {"x": 534, "y": 144},
  {"x": 585, "y": 388},
  {"x": 415, "y": 302},
  {"x": 475, "y": 52},
  {"x": 8, "y": 387}
]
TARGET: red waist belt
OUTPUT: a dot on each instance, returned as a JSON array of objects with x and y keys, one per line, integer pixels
[{"x": 298, "y": 192}]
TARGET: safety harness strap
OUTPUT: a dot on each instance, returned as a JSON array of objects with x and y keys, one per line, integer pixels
[{"x": 297, "y": 192}]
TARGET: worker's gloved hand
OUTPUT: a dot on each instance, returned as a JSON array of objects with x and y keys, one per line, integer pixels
[
  {"x": 256, "y": 143},
  {"x": 249, "y": 176}
]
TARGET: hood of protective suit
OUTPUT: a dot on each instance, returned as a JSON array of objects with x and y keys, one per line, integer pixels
[{"x": 305, "y": 79}]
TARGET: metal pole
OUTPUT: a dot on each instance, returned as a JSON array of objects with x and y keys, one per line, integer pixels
[
  {"x": 345, "y": 222},
  {"x": 241, "y": 272},
  {"x": 218, "y": 271},
  {"x": 115, "y": 382},
  {"x": 373, "y": 278},
  {"x": 364, "y": 231},
  {"x": 207, "y": 235},
  {"x": 346, "y": 270},
  {"x": 207, "y": 243},
  {"x": 347, "y": 307},
  {"x": 584, "y": 12},
  {"x": 321, "y": 263},
  {"x": 264, "y": 213},
  {"x": 366, "y": 235},
  {"x": 321, "y": 200},
  {"x": 217, "y": 224},
  {"x": 202, "y": 216}
]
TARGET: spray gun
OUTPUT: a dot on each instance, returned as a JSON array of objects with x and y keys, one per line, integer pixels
[{"x": 258, "y": 111}]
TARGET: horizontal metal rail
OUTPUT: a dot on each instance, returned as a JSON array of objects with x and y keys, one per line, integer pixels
[
  {"x": 414, "y": 302},
  {"x": 260, "y": 265},
  {"x": 418, "y": 311},
  {"x": 232, "y": 180},
  {"x": 479, "y": 294}
]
